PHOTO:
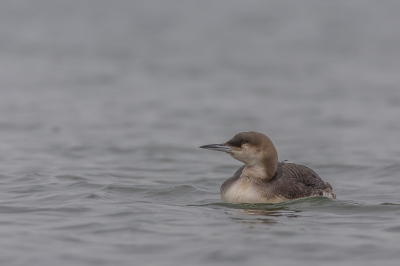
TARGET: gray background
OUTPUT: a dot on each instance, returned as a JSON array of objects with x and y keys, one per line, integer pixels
[{"x": 103, "y": 105}]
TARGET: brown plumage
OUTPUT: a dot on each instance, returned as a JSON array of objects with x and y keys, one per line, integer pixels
[{"x": 263, "y": 179}]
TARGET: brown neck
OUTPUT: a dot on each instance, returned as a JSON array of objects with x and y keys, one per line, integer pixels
[{"x": 272, "y": 166}]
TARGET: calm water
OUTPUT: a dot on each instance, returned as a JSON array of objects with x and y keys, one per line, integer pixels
[{"x": 103, "y": 105}]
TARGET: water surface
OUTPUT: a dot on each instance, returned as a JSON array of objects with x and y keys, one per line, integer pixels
[{"x": 103, "y": 105}]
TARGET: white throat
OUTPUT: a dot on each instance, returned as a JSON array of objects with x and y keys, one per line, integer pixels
[{"x": 254, "y": 171}]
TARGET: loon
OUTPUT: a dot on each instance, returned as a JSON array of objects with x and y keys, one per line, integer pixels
[{"x": 263, "y": 179}]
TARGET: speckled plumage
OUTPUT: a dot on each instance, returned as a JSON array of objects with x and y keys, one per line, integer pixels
[{"x": 291, "y": 181}]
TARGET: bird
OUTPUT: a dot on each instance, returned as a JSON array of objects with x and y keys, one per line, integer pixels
[{"x": 262, "y": 179}]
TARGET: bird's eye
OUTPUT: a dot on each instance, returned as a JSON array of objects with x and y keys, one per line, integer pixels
[{"x": 244, "y": 142}]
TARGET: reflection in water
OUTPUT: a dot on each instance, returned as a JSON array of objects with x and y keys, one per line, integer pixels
[{"x": 256, "y": 216}]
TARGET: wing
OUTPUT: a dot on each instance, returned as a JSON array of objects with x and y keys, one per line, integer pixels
[{"x": 295, "y": 181}]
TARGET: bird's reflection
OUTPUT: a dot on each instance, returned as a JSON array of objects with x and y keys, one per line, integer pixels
[{"x": 257, "y": 216}]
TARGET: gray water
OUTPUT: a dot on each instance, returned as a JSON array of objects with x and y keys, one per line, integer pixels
[{"x": 103, "y": 105}]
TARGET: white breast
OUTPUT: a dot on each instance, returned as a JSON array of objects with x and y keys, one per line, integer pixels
[{"x": 243, "y": 191}]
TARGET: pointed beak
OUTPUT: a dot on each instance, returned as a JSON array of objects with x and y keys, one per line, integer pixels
[{"x": 217, "y": 147}]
